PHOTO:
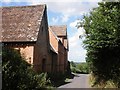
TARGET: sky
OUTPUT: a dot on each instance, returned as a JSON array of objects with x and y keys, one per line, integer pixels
[{"x": 64, "y": 12}]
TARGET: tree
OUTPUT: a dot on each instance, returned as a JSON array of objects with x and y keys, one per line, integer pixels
[
  {"x": 83, "y": 67},
  {"x": 73, "y": 64},
  {"x": 102, "y": 32}
]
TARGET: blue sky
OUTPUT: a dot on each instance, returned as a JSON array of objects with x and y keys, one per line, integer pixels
[{"x": 64, "y": 12}]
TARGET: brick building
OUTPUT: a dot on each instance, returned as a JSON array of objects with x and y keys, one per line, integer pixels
[
  {"x": 60, "y": 32},
  {"x": 25, "y": 28}
]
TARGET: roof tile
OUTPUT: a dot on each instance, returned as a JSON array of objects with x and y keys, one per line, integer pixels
[
  {"x": 59, "y": 30},
  {"x": 21, "y": 23}
]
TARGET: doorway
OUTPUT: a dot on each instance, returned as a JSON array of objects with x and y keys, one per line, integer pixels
[{"x": 44, "y": 65}]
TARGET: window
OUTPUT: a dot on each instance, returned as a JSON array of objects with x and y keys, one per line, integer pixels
[{"x": 30, "y": 60}]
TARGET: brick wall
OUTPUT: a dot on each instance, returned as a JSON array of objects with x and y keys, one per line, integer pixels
[
  {"x": 65, "y": 58},
  {"x": 61, "y": 57},
  {"x": 42, "y": 58},
  {"x": 26, "y": 50}
]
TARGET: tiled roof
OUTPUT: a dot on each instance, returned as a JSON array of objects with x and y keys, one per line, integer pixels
[
  {"x": 21, "y": 23},
  {"x": 59, "y": 30}
]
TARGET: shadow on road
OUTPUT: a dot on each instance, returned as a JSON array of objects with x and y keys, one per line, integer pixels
[
  {"x": 59, "y": 83},
  {"x": 76, "y": 75},
  {"x": 71, "y": 76},
  {"x": 64, "y": 81}
]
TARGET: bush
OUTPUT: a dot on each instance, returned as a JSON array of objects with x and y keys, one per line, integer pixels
[{"x": 18, "y": 74}]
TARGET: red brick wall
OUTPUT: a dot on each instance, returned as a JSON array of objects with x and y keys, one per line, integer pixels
[
  {"x": 42, "y": 60},
  {"x": 54, "y": 62},
  {"x": 26, "y": 50},
  {"x": 65, "y": 58},
  {"x": 61, "y": 57}
]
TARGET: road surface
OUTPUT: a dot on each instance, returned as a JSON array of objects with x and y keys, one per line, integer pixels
[{"x": 79, "y": 81}]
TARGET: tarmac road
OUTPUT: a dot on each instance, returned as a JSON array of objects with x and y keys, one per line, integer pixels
[{"x": 79, "y": 81}]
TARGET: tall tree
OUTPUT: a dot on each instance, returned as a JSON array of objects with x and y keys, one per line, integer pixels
[{"x": 102, "y": 32}]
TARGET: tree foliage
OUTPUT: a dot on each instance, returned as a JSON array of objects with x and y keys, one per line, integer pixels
[
  {"x": 83, "y": 67},
  {"x": 79, "y": 67},
  {"x": 102, "y": 32}
]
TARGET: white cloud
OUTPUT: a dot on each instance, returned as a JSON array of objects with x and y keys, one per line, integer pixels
[
  {"x": 80, "y": 31},
  {"x": 64, "y": 18},
  {"x": 73, "y": 40},
  {"x": 73, "y": 24},
  {"x": 6, "y": 1},
  {"x": 54, "y": 20},
  {"x": 69, "y": 9},
  {"x": 76, "y": 52}
]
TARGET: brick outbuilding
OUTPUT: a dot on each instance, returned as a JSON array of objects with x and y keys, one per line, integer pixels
[
  {"x": 25, "y": 28},
  {"x": 60, "y": 32}
]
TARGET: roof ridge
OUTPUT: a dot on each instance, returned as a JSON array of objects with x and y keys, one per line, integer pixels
[
  {"x": 58, "y": 25},
  {"x": 23, "y": 6}
]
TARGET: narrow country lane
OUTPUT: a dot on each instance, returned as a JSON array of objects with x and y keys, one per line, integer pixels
[{"x": 79, "y": 81}]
